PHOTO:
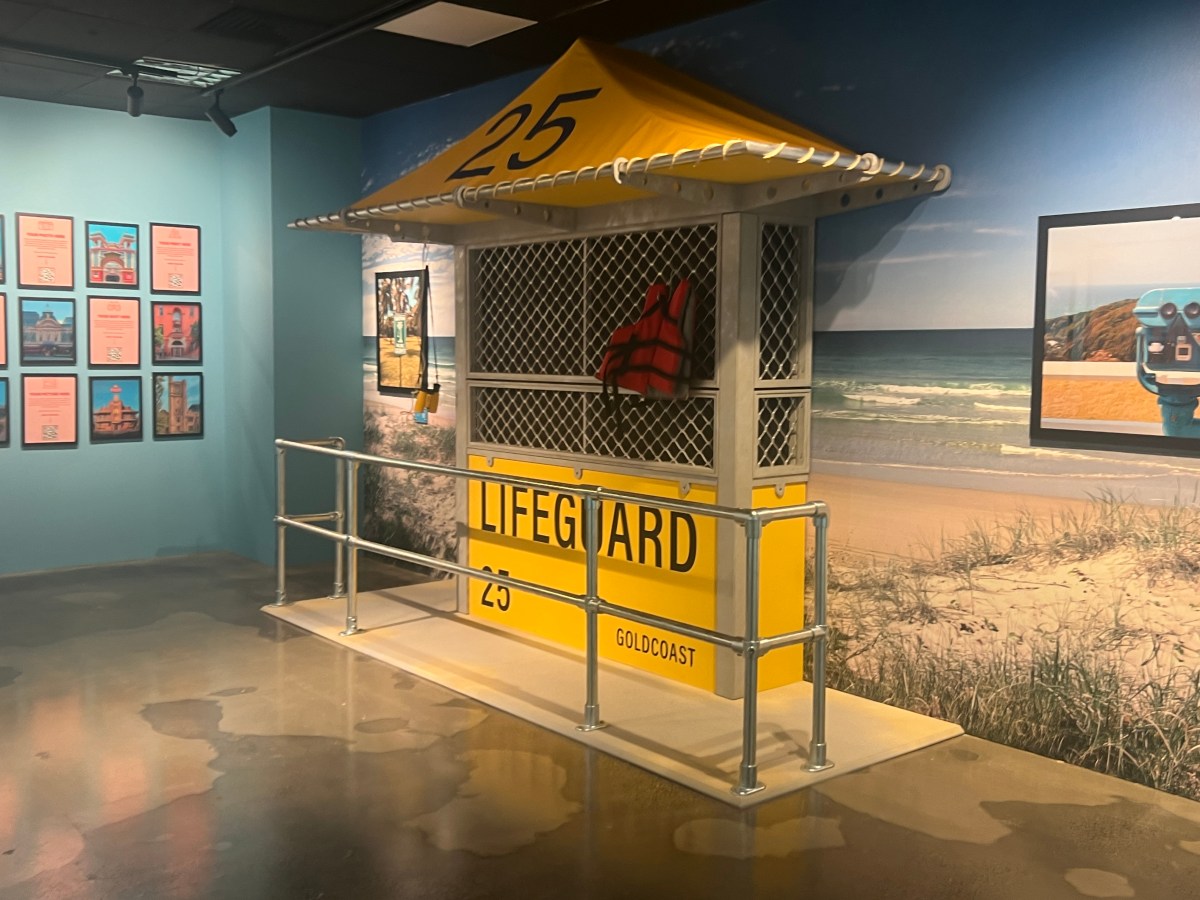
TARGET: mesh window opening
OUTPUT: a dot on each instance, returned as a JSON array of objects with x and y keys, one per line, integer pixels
[
  {"x": 550, "y": 308},
  {"x": 779, "y": 340}
]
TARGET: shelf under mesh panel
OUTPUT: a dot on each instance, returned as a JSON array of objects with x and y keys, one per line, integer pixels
[{"x": 679, "y": 432}]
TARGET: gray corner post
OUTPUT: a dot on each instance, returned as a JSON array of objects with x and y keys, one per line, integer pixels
[
  {"x": 817, "y": 759},
  {"x": 591, "y": 543},
  {"x": 748, "y": 782},
  {"x": 340, "y": 551},
  {"x": 280, "y": 527},
  {"x": 350, "y": 532}
]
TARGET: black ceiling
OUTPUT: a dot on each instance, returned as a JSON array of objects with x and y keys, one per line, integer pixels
[{"x": 364, "y": 74}]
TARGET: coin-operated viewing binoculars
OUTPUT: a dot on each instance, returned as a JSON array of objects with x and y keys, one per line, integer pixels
[{"x": 1168, "y": 355}]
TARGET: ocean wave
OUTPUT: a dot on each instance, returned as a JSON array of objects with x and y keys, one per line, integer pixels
[
  {"x": 866, "y": 415},
  {"x": 937, "y": 389},
  {"x": 1003, "y": 407},
  {"x": 883, "y": 399}
]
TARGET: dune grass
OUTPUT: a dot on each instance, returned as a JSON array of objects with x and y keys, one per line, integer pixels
[{"x": 1071, "y": 696}]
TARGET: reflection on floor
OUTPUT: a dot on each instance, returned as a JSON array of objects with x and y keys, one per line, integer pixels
[
  {"x": 161, "y": 737},
  {"x": 674, "y": 730}
]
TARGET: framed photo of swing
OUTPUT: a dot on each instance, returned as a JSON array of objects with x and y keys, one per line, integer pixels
[
  {"x": 1116, "y": 338},
  {"x": 401, "y": 313}
]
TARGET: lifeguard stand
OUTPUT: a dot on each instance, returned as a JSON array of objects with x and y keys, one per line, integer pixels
[{"x": 644, "y": 175}]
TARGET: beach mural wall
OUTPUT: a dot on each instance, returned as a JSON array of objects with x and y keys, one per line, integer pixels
[
  {"x": 412, "y": 511},
  {"x": 1044, "y": 597}
]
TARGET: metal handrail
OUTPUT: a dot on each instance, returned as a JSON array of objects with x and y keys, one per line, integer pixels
[{"x": 750, "y": 645}]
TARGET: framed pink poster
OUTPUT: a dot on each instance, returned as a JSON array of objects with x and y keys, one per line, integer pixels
[
  {"x": 3, "y": 332},
  {"x": 45, "y": 252},
  {"x": 49, "y": 411},
  {"x": 114, "y": 332},
  {"x": 174, "y": 259}
]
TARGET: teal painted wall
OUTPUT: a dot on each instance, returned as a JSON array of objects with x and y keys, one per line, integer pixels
[
  {"x": 263, "y": 287},
  {"x": 249, "y": 486},
  {"x": 315, "y": 163}
]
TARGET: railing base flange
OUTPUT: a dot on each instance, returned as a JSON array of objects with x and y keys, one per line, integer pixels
[
  {"x": 280, "y": 599},
  {"x": 596, "y": 727},
  {"x": 820, "y": 768},
  {"x": 740, "y": 791}
]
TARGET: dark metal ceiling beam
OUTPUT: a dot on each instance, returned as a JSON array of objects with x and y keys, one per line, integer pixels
[
  {"x": 323, "y": 41},
  {"x": 126, "y": 66}
]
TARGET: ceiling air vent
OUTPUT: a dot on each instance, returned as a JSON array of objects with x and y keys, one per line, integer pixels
[{"x": 240, "y": 23}]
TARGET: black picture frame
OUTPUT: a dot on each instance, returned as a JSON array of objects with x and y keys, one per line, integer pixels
[
  {"x": 5, "y": 413},
  {"x": 116, "y": 265},
  {"x": 121, "y": 418},
  {"x": 1100, "y": 283},
  {"x": 114, "y": 355},
  {"x": 49, "y": 441},
  {"x": 178, "y": 276},
  {"x": 181, "y": 342},
  {"x": 3, "y": 330},
  {"x": 46, "y": 337},
  {"x": 45, "y": 284},
  {"x": 400, "y": 319},
  {"x": 172, "y": 420}
]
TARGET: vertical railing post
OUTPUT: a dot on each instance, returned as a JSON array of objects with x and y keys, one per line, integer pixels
[
  {"x": 280, "y": 528},
  {"x": 817, "y": 759},
  {"x": 340, "y": 551},
  {"x": 748, "y": 782},
  {"x": 591, "y": 543},
  {"x": 350, "y": 530}
]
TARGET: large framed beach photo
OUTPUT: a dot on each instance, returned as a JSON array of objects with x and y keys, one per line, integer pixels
[
  {"x": 400, "y": 318},
  {"x": 1116, "y": 357}
]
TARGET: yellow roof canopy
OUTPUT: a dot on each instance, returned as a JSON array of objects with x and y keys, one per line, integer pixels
[{"x": 604, "y": 125}]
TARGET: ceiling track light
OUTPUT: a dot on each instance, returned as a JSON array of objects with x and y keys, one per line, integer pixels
[
  {"x": 133, "y": 96},
  {"x": 217, "y": 116}
]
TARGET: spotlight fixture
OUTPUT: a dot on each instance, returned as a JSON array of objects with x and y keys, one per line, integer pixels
[
  {"x": 217, "y": 116},
  {"x": 133, "y": 96}
]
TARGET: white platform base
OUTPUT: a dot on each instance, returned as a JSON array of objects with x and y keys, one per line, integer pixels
[{"x": 679, "y": 732}]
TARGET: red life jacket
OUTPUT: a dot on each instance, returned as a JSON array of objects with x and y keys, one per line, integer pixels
[{"x": 651, "y": 355}]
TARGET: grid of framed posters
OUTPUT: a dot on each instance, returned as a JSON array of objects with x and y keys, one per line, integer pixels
[{"x": 123, "y": 401}]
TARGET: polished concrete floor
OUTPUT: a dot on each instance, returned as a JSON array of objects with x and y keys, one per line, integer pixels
[{"x": 161, "y": 737}]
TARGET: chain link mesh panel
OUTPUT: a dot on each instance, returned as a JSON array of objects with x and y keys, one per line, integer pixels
[
  {"x": 534, "y": 419},
  {"x": 622, "y": 266},
  {"x": 781, "y": 422},
  {"x": 779, "y": 323},
  {"x": 526, "y": 301},
  {"x": 673, "y": 431},
  {"x": 549, "y": 308}
]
